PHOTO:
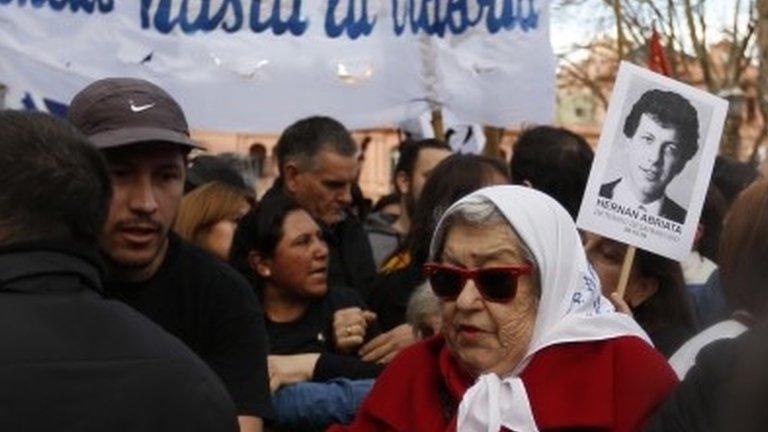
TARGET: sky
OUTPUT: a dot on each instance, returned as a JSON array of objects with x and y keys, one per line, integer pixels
[{"x": 579, "y": 24}]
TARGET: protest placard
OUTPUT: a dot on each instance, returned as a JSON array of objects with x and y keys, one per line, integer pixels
[
  {"x": 653, "y": 163},
  {"x": 260, "y": 65}
]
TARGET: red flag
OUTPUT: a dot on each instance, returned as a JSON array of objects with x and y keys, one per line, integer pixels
[{"x": 657, "y": 60}]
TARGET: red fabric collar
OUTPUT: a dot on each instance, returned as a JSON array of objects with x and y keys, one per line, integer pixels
[
  {"x": 407, "y": 395},
  {"x": 456, "y": 380},
  {"x": 613, "y": 384}
]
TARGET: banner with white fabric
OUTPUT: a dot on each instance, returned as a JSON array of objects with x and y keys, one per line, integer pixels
[{"x": 259, "y": 65}]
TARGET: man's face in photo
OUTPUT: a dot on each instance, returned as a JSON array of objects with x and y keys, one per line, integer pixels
[{"x": 654, "y": 158}]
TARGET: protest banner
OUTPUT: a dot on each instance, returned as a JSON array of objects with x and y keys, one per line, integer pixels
[
  {"x": 653, "y": 163},
  {"x": 258, "y": 65}
]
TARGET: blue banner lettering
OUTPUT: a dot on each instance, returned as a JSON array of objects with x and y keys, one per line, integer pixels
[
  {"x": 429, "y": 17},
  {"x": 350, "y": 24},
  {"x": 230, "y": 17},
  {"x": 88, "y": 6}
]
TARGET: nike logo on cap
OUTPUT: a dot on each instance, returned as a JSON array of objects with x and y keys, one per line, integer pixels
[{"x": 139, "y": 108}]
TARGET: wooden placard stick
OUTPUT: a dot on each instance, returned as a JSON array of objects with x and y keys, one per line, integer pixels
[
  {"x": 493, "y": 137},
  {"x": 626, "y": 268},
  {"x": 437, "y": 124}
]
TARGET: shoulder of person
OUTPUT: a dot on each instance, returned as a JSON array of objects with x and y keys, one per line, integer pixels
[
  {"x": 208, "y": 272},
  {"x": 350, "y": 226},
  {"x": 616, "y": 381},
  {"x": 632, "y": 356},
  {"x": 417, "y": 361},
  {"x": 406, "y": 394},
  {"x": 611, "y": 356}
]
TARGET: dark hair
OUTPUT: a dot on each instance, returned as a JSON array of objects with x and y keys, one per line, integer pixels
[
  {"x": 712, "y": 216},
  {"x": 219, "y": 168},
  {"x": 669, "y": 307},
  {"x": 744, "y": 251},
  {"x": 732, "y": 176},
  {"x": 455, "y": 177},
  {"x": 303, "y": 140},
  {"x": 672, "y": 111},
  {"x": 393, "y": 198},
  {"x": 555, "y": 161},
  {"x": 260, "y": 230},
  {"x": 54, "y": 183},
  {"x": 410, "y": 150}
]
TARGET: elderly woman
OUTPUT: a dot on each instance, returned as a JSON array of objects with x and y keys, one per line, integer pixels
[{"x": 528, "y": 342}]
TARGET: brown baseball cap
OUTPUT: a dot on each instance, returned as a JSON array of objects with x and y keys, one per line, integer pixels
[{"x": 114, "y": 112}]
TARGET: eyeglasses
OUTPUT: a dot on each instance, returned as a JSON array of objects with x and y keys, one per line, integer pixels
[{"x": 496, "y": 284}]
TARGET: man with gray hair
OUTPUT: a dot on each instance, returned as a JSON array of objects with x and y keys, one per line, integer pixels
[
  {"x": 71, "y": 359},
  {"x": 318, "y": 165}
]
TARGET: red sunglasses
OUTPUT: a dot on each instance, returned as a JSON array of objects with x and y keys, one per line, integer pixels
[{"x": 496, "y": 284}]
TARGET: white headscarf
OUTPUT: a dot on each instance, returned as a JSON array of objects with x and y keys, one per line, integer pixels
[{"x": 571, "y": 307}]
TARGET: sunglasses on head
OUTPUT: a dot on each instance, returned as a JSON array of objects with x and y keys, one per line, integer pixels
[{"x": 496, "y": 284}]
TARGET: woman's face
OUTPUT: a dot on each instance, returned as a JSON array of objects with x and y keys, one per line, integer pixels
[
  {"x": 607, "y": 257},
  {"x": 299, "y": 265},
  {"x": 218, "y": 237},
  {"x": 487, "y": 336}
]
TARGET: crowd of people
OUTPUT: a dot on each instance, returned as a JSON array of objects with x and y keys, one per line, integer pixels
[{"x": 144, "y": 289}]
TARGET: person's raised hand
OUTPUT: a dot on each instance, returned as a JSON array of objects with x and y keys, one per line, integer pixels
[
  {"x": 349, "y": 328},
  {"x": 385, "y": 347}
]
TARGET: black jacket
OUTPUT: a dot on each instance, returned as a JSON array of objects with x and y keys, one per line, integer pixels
[
  {"x": 74, "y": 361},
  {"x": 726, "y": 390},
  {"x": 351, "y": 258},
  {"x": 669, "y": 209}
]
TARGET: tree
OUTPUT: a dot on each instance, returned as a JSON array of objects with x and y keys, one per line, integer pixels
[{"x": 715, "y": 59}]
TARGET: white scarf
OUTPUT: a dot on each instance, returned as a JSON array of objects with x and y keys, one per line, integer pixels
[{"x": 571, "y": 307}]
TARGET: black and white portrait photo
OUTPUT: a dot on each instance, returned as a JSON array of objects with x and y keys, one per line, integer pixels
[
  {"x": 653, "y": 162},
  {"x": 659, "y": 136}
]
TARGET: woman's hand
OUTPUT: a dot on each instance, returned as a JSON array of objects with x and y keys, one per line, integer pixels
[
  {"x": 385, "y": 347},
  {"x": 349, "y": 328},
  {"x": 290, "y": 369},
  {"x": 619, "y": 303}
]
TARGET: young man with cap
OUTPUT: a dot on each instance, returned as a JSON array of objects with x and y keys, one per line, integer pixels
[
  {"x": 144, "y": 136},
  {"x": 71, "y": 359}
]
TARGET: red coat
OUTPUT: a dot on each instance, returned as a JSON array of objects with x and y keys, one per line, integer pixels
[{"x": 606, "y": 385}]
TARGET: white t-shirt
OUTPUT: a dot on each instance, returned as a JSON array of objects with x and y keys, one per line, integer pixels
[
  {"x": 697, "y": 269},
  {"x": 685, "y": 357}
]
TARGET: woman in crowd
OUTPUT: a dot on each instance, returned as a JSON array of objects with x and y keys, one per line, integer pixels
[
  {"x": 725, "y": 383},
  {"x": 280, "y": 248},
  {"x": 209, "y": 215},
  {"x": 743, "y": 254},
  {"x": 528, "y": 342},
  {"x": 655, "y": 292}
]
